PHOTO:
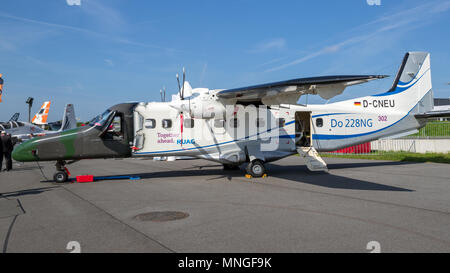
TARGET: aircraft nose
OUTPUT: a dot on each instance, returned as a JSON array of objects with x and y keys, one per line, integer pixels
[{"x": 25, "y": 152}]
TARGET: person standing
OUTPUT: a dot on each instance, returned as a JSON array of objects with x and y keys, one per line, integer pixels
[{"x": 7, "y": 150}]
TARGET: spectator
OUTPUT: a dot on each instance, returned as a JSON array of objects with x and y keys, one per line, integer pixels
[
  {"x": 1, "y": 149},
  {"x": 7, "y": 150}
]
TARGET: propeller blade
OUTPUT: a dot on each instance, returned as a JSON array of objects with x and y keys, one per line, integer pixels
[
  {"x": 184, "y": 80},
  {"x": 179, "y": 87}
]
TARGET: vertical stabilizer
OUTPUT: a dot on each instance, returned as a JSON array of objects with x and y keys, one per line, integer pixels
[
  {"x": 412, "y": 86},
  {"x": 1, "y": 87},
  {"x": 69, "y": 121},
  {"x": 41, "y": 117},
  {"x": 15, "y": 117}
]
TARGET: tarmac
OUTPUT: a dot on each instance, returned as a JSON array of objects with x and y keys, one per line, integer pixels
[{"x": 195, "y": 206}]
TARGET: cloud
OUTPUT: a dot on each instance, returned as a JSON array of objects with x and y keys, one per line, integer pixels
[
  {"x": 73, "y": 2},
  {"x": 109, "y": 62},
  {"x": 108, "y": 17},
  {"x": 418, "y": 15},
  {"x": 273, "y": 44},
  {"x": 114, "y": 38}
]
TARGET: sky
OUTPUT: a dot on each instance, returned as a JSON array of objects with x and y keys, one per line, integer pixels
[{"x": 97, "y": 53}]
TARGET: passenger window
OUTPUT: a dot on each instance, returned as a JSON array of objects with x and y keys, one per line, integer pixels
[
  {"x": 234, "y": 123},
  {"x": 219, "y": 123},
  {"x": 281, "y": 122},
  {"x": 188, "y": 123},
  {"x": 150, "y": 123},
  {"x": 319, "y": 122},
  {"x": 260, "y": 122},
  {"x": 167, "y": 123}
]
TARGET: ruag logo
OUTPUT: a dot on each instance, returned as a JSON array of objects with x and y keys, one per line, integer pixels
[
  {"x": 73, "y": 2},
  {"x": 373, "y": 2},
  {"x": 185, "y": 141}
]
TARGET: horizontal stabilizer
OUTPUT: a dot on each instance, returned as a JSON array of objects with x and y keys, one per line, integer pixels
[{"x": 433, "y": 114}]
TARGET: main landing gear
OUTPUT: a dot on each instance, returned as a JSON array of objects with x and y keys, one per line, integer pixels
[
  {"x": 62, "y": 173},
  {"x": 256, "y": 169}
]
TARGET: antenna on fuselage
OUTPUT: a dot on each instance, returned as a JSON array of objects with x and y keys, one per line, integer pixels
[{"x": 162, "y": 92}]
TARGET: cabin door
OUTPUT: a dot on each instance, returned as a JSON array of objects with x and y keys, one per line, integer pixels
[{"x": 303, "y": 135}]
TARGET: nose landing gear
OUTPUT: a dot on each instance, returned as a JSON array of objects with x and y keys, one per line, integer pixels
[{"x": 62, "y": 173}]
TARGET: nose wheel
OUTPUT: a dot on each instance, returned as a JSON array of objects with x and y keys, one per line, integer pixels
[
  {"x": 256, "y": 168},
  {"x": 62, "y": 173},
  {"x": 60, "y": 176}
]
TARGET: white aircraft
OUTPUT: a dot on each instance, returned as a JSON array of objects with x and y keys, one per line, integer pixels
[
  {"x": 226, "y": 126},
  {"x": 24, "y": 130}
]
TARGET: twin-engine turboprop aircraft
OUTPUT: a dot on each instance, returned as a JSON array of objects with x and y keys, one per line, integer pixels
[{"x": 253, "y": 125}]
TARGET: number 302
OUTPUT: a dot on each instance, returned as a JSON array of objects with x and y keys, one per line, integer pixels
[{"x": 382, "y": 118}]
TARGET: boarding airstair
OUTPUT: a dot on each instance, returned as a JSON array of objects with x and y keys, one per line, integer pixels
[
  {"x": 303, "y": 137},
  {"x": 312, "y": 159}
]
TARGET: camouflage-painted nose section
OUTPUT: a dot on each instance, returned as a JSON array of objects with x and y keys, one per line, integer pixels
[
  {"x": 87, "y": 142},
  {"x": 25, "y": 152},
  {"x": 66, "y": 145}
]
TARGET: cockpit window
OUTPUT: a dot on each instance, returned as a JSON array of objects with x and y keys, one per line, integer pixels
[
  {"x": 6, "y": 125},
  {"x": 100, "y": 119}
]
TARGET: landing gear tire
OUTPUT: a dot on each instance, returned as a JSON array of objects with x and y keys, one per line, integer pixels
[
  {"x": 60, "y": 177},
  {"x": 256, "y": 168}
]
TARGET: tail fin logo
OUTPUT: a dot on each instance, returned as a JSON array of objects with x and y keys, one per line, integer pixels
[
  {"x": 41, "y": 117},
  {"x": 1, "y": 87}
]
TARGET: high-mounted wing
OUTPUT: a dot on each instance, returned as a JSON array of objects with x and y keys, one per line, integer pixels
[{"x": 288, "y": 92}]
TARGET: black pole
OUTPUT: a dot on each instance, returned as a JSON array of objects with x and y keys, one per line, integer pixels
[{"x": 30, "y": 104}]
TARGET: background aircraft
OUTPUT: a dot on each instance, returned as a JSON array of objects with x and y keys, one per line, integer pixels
[
  {"x": 21, "y": 130},
  {"x": 15, "y": 117},
  {"x": 203, "y": 125},
  {"x": 41, "y": 117}
]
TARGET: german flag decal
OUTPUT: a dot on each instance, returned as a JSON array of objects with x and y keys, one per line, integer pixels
[{"x": 357, "y": 103}]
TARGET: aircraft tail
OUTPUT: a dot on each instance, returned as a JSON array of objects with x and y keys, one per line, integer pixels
[
  {"x": 412, "y": 90},
  {"x": 15, "y": 117},
  {"x": 41, "y": 117},
  {"x": 69, "y": 121},
  {"x": 1, "y": 87}
]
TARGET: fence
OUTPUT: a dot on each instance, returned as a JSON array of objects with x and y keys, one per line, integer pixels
[{"x": 433, "y": 138}]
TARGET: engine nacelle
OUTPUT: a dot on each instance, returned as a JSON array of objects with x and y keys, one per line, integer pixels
[{"x": 207, "y": 110}]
